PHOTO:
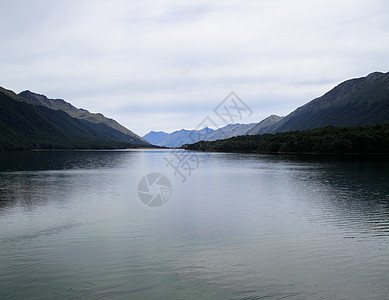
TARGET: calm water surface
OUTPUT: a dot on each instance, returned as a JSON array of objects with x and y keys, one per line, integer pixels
[{"x": 241, "y": 226}]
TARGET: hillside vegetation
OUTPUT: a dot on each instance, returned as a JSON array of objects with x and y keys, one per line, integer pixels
[{"x": 364, "y": 139}]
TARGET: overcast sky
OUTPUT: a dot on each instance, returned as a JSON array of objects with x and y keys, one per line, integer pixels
[{"x": 165, "y": 65}]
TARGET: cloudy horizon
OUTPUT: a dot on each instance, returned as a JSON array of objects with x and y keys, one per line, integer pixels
[{"x": 165, "y": 65}]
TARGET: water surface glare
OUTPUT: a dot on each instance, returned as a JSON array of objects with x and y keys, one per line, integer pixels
[{"x": 241, "y": 226}]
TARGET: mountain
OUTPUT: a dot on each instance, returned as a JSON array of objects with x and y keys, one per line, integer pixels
[
  {"x": 25, "y": 126},
  {"x": 156, "y": 137},
  {"x": 176, "y": 138},
  {"x": 264, "y": 125},
  {"x": 183, "y": 136},
  {"x": 229, "y": 131},
  {"x": 355, "y": 102},
  {"x": 82, "y": 114}
]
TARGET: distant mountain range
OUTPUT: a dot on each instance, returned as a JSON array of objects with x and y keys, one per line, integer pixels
[
  {"x": 183, "y": 136},
  {"x": 32, "y": 121},
  {"x": 356, "y": 102}
]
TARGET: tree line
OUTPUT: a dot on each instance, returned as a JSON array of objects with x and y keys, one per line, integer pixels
[{"x": 361, "y": 139}]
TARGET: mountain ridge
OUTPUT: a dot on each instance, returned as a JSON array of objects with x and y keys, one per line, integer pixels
[
  {"x": 25, "y": 126},
  {"x": 79, "y": 113},
  {"x": 265, "y": 124},
  {"x": 354, "y": 102},
  {"x": 185, "y": 136}
]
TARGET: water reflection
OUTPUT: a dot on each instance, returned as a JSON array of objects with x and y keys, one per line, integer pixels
[
  {"x": 29, "y": 179},
  {"x": 64, "y": 160},
  {"x": 242, "y": 226},
  {"x": 349, "y": 191}
]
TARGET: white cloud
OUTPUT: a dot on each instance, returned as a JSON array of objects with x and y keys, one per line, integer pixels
[{"x": 150, "y": 63}]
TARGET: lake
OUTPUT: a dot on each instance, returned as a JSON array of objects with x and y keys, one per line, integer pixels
[{"x": 90, "y": 225}]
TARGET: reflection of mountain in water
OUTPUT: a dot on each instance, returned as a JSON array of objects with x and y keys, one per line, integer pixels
[
  {"x": 352, "y": 192},
  {"x": 35, "y": 178}
]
